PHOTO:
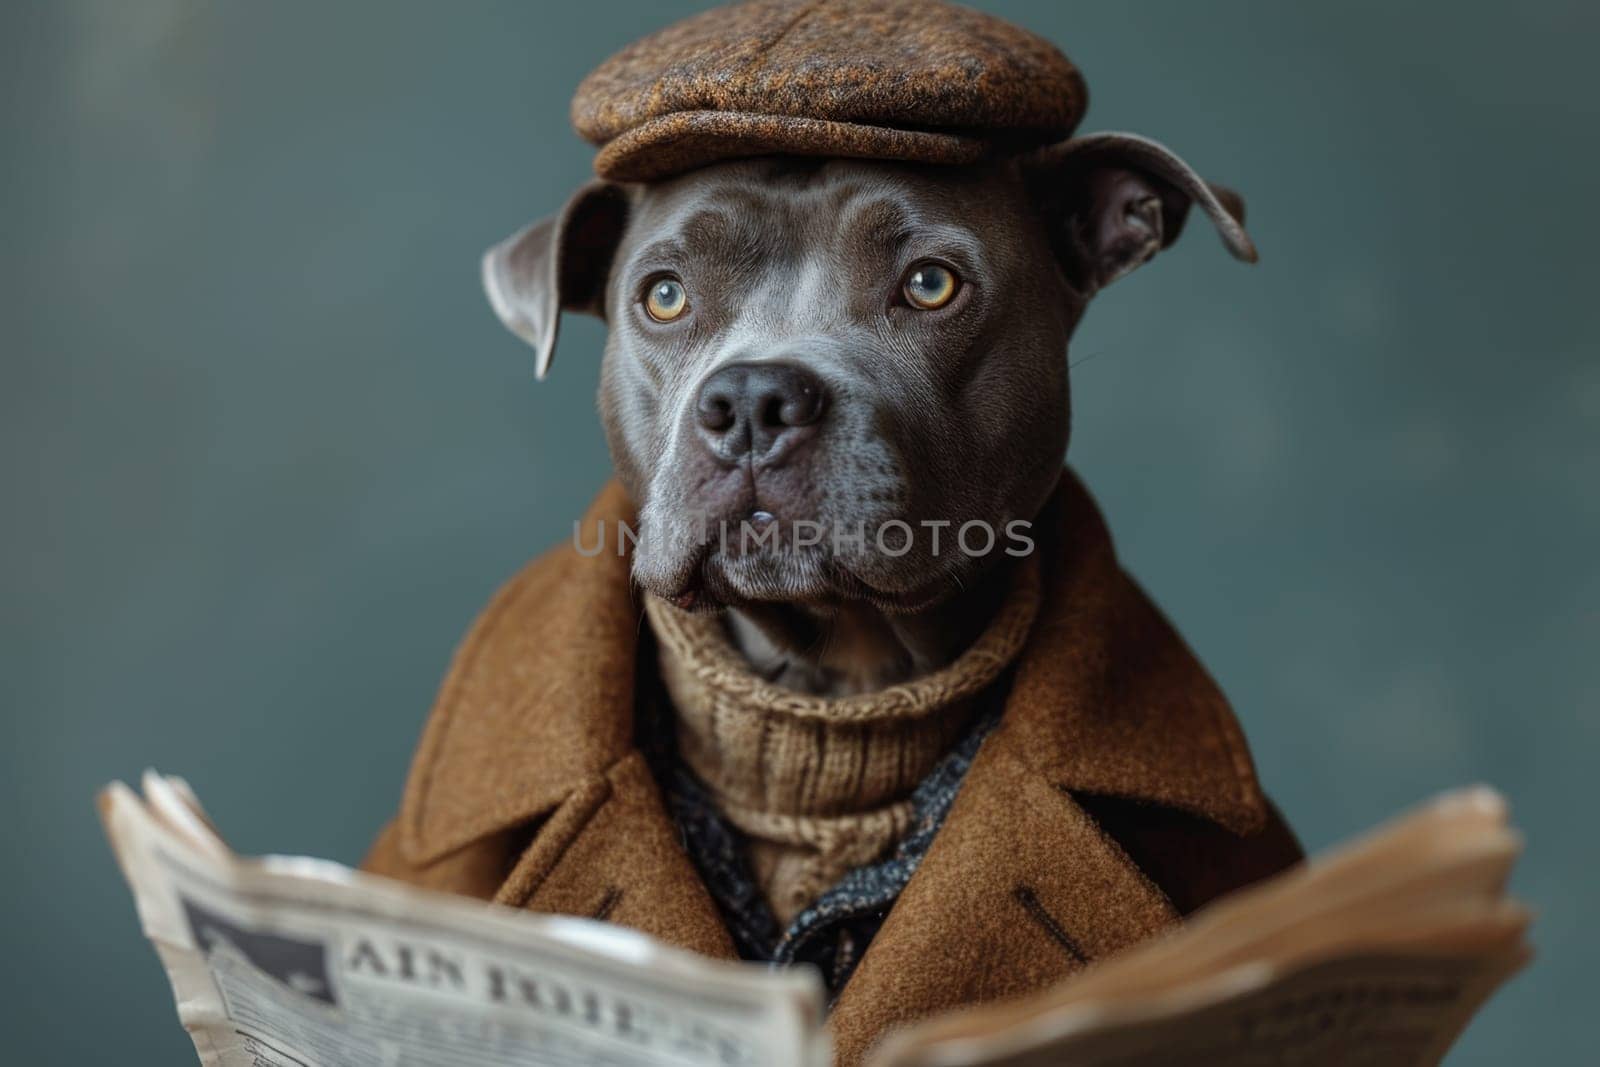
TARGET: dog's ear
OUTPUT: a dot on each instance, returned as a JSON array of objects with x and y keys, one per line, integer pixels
[
  {"x": 560, "y": 262},
  {"x": 1113, "y": 200}
]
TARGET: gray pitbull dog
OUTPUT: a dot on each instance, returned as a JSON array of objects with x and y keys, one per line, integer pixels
[{"x": 837, "y": 390}]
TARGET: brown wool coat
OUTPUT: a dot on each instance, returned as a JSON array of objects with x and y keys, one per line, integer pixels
[{"x": 1115, "y": 796}]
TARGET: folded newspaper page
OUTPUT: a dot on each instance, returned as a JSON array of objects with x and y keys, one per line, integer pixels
[
  {"x": 1377, "y": 953},
  {"x": 293, "y": 962}
]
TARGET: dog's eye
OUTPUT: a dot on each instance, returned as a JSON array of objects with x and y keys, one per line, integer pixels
[
  {"x": 665, "y": 300},
  {"x": 930, "y": 286}
]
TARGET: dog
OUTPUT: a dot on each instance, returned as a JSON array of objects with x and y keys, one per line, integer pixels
[
  {"x": 837, "y": 399},
  {"x": 856, "y": 346}
]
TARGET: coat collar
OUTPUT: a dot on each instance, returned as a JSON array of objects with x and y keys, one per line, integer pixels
[
  {"x": 539, "y": 699},
  {"x": 1108, "y": 699}
]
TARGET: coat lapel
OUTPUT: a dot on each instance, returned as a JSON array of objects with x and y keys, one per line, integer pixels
[
  {"x": 1019, "y": 889},
  {"x": 619, "y": 859}
]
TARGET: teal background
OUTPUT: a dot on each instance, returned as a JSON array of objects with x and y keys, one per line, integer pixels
[{"x": 266, "y": 451}]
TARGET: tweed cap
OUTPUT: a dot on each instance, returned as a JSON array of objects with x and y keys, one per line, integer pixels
[{"x": 915, "y": 80}]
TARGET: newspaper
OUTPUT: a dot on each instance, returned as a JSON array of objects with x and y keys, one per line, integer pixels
[
  {"x": 1377, "y": 953},
  {"x": 1374, "y": 1012},
  {"x": 295, "y": 962}
]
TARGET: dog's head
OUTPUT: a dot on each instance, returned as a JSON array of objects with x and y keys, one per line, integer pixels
[{"x": 832, "y": 380}]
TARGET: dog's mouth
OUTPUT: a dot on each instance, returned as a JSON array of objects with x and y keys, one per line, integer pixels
[
  {"x": 807, "y": 533},
  {"x": 746, "y": 559},
  {"x": 719, "y": 575}
]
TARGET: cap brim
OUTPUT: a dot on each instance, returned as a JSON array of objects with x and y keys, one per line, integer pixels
[{"x": 671, "y": 144}]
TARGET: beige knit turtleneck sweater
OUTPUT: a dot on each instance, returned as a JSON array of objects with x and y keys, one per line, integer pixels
[{"x": 819, "y": 785}]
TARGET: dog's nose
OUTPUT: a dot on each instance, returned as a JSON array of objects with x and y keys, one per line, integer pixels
[{"x": 752, "y": 407}]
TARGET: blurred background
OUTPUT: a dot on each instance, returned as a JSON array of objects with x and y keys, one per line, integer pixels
[{"x": 264, "y": 451}]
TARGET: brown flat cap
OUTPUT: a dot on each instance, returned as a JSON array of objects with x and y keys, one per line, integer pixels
[{"x": 914, "y": 80}]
